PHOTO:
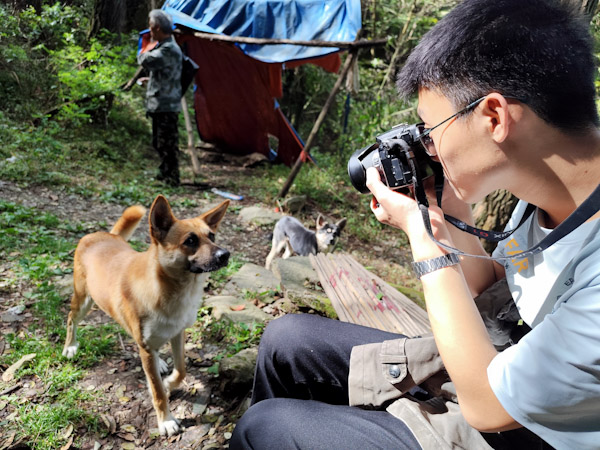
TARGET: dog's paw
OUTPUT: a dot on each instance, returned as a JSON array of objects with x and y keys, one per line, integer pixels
[
  {"x": 70, "y": 351},
  {"x": 171, "y": 382},
  {"x": 163, "y": 367},
  {"x": 169, "y": 427}
]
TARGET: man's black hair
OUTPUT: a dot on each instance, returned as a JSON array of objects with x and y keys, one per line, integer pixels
[{"x": 539, "y": 51}]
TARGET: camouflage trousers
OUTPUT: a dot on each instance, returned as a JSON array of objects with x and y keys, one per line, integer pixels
[{"x": 165, "y": 136}]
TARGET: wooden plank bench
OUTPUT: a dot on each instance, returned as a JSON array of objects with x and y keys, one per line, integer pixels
[{"x": 361, "y": 297}]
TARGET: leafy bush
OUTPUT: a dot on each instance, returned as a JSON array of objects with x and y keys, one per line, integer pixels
[{"x": 49, "y": 67}]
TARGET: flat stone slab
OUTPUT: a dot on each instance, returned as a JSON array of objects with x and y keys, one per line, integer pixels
[
  {"x": 295, "y": 270},
  {"x": 256, "y": 215},
  {"x": 254, "y": 278},
  {"x": 301, "y": 284},
  {"x": 237, "y": 371},
  {"x": 235, "y": 309}
]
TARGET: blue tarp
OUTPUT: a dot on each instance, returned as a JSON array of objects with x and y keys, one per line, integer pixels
[{"x": 301, "y": 20}]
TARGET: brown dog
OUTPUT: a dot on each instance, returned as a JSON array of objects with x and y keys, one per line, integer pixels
[{"x": 154, "y": 295}]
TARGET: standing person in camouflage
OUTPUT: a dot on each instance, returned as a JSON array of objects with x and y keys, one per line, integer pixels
[{"x": 163, "y": 95}]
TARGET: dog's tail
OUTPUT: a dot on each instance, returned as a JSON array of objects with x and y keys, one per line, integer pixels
[{"x": 129, "y": 221}]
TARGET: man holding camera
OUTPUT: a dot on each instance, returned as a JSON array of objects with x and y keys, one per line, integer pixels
[{"x": 506, "y": 93}]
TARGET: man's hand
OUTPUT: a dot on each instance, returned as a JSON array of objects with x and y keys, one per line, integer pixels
[
  {"x": 401, "y": 211},
  {"x": 137, "y": 76},
  {"x": 127, "y": 86}
]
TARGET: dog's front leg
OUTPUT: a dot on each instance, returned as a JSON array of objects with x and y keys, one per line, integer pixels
[
  {"x": 178, "y": 374},
  {"x": 167, "y": 424}
]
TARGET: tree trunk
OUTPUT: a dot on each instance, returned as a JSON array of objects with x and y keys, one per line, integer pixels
[
  {"x": 108, "y": 14},
  {"x": 589, "y": 7},
  {"x": 493, "y": 212}
]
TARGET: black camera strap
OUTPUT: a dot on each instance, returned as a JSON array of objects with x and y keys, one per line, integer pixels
[
  {"x": 488, "y": 235},
  {"x": 586, "y": 210}
]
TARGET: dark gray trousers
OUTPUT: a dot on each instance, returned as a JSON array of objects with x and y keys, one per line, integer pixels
[{"x": 300, "y": 396}]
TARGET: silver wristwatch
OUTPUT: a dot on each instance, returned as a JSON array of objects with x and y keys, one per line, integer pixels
[{"x": 430, "y": 265}]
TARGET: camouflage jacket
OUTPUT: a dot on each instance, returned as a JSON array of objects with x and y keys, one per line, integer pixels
[{"x": 164, "y": 88}]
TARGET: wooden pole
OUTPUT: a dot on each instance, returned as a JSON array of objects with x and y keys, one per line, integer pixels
[
  {"x": 190, "y": 135},
  {"x": 311, "y": 137},
  {"x": 265, "y": 41}
]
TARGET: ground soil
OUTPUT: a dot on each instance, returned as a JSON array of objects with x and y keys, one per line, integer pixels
[{"x": 127, "y": 415}]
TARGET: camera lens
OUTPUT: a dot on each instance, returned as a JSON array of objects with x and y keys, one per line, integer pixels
[{"x": 357, "y": 168}]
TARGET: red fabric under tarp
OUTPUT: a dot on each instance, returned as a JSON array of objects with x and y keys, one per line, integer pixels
[
  {"x": 234, "y": 98},
  {"x": 331, "y": 62}
]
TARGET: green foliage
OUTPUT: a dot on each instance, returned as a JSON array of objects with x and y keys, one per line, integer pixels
[
  {"x": 49, "y": 67},
  {"x": 38, "y": 247},
  {"x": 31, "y": 241},
  {"x": 28, "y": 84},
  {"x": 218, "y": 278},
  {"x": 236, "y": 336}
]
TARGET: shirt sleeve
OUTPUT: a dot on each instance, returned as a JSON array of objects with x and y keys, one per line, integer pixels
[
  {"x": 152, "y": 59},
  {"x": 550, "y": 381}
]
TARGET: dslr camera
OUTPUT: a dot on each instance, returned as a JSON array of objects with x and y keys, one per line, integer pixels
[{"x": 398, "y": 156}]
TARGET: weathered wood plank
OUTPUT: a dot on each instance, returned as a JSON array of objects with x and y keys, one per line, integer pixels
[{"x": 361, "y": 297}]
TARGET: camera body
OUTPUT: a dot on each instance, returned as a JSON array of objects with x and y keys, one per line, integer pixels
[{"x": 398, "y": 156}]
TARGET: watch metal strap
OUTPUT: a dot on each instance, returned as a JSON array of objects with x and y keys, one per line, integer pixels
[{"x": 430, "y": 265}]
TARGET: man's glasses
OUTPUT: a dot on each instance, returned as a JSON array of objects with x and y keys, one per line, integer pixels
[{"x": 424, "y": 133}]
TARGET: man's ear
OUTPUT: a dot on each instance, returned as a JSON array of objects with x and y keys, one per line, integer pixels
[
  {"x": 341, "y": 224},
  {"x": 161, "y": 218},
  {"x": 498, "y": 115},
  {"x": 213, "y": 217}
]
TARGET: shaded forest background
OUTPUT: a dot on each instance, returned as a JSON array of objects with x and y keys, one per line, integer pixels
[{"x": 65, "y": 60}]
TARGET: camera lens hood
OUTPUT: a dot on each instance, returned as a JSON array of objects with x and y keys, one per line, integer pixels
[{"x": 357, "y": 168}]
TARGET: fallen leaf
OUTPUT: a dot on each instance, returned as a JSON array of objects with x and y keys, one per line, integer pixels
[
  {"x": 9, "y": 374},
  {"x": 8, "y": 442},
  {"x": 110, "y": 423},
  {"x": 129, "y": 428},
  {"x": 68, "y": 431},
  {"x": 154, "y": 433},
  {"x": 237, "y": 307},
  {"x": 128, "y": 437},
  {"x": 68, "y": 444},
  {"x": 120, "y": 390}
]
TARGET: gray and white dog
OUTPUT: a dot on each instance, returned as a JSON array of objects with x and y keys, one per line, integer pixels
[{"x": 291, "y": 235}]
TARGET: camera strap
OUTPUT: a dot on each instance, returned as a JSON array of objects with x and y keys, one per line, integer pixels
[
  {"x": 586, "y": 210},
  {"x": 488, "y": 235}
]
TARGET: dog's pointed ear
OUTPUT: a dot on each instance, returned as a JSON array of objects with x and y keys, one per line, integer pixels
[
  {"x": 341, "y": 224},
  {"x": 213, "y": 217},
  {"x": 320, "y": 221},
  {"x": 161, "y": 218}
]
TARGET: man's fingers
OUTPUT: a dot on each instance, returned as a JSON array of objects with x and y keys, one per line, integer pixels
[{"x": 374, "y": 183}]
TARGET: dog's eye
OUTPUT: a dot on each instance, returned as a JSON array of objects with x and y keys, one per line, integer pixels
[
  {"x": 329, "y": 230},
  {"x": 211, "y": 236},
  {"x": 191, "y": 241}
]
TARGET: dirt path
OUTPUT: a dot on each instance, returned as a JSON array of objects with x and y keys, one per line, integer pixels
[{"x": 122, "y": 401}]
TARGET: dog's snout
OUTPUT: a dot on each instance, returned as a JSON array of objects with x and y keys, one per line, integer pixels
[{"x": 222, "y": 256}]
